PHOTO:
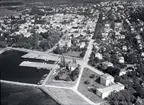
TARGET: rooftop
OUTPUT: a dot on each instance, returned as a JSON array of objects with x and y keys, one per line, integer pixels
[
  {"x": 111, "y": 88},
  {"x": 106, "y": 76}
]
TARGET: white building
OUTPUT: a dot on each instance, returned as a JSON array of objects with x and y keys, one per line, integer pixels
[
  {"x": 122, "y": 72},
  {"x": 124, "y": 48},
  {"x": 72, "y": 66},
  {"x": 82, "y": 45},
  {"x": 121, "y": 60},
  {"x": 107, "y": 28},
  {"x": 106, "y": 91},
  {"x": 118, "y": 26},
  {"x": 68, "y": 43},
  {"x": 99, "y": 56},
  {"x": 106, "y": 79}
]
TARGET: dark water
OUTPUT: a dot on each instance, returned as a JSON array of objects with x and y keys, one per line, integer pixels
[
  {"x": 10, "y": 69},
  {"x": 24, "y": 95},
  {"x": 21, "y": 95}
]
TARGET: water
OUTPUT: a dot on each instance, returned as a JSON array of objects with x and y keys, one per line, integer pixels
[
  {"x": 24, "y": 95},
  {"x": 12, "y": 94},
  {"x": 10, "y": 69}
]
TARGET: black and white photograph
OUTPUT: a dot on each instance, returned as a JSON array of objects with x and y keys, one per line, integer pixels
[{"x": 72, "y": 52}]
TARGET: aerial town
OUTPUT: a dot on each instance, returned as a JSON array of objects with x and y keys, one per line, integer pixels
[{"x": 82, "y": 54}]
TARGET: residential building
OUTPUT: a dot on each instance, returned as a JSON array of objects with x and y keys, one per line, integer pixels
[{"x": 82, "y": 45}]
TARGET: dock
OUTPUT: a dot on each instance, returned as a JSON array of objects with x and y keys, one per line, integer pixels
[
  {"x": 38, "y": 56},
  {"x": 37, "y": 65}
]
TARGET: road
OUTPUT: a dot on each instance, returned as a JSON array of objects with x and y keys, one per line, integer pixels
[{"x": 83, "y": 63}]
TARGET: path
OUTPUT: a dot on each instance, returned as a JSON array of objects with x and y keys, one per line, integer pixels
[{"x": 83, "y": 62}]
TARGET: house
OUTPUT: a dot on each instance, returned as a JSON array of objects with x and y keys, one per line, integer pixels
[
  {"x": 62, "y": 43},
  {"x": 72, "y": 66},
  {"x": 140, "y": 101},
  {"x": 104, "y": 34},
  {"x": 118, "y": 26},
  {"x": 68, "y": 43},
  {"x": 106, "y": 64},
  {"x": 142, "y": 54},
  {"x": 124, "y": 48},
  {"x": 106, "y": 79},
  {"x": 99, "y": 56},
  {"x": 122, "y": 72},
  {"x": 106, "y": 91},
  {"x": 82, "y": 45},
  {"x": 107, "y": 28},
  {"x": 121, "y": 60}
]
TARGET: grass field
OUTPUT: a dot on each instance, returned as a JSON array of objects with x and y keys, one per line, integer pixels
[
  {"x": 67, "y": 97},
  {"x": 24, "y": 95},
  {"x": 83, "y": 88}
]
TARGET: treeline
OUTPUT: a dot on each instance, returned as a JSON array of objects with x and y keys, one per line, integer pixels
[
  {"x": 138, "y": 14},
  {"x": 11, "y": 3},
  {"x": 42, "y": 41}
]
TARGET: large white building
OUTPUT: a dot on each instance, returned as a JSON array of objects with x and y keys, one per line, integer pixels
[
  {"x": 106, "y": 91},
  {"x": 106, "y": 79}
]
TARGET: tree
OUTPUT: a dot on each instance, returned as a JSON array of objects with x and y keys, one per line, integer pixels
[
  {"x": 86, "y": 82},
  {"x": 58, "y": 50},
  {"x": 92, "y": 76},
  {"x": 141, "y": 92},
  {"x": 124, "y": 97},
  {"x": 82, "y": 54}
]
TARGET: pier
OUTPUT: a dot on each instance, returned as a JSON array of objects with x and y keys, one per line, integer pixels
[{"x": 37, "y": 65}]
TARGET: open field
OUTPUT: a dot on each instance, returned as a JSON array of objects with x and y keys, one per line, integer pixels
[
  {"x": 83, "y": 88},
  {"x": 24, "y": 95},
  {"x": 66, "y": 96}
]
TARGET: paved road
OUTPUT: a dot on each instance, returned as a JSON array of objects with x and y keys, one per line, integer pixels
[
  {"x": 89, "y": 51},
  {"x": 83, "y": 62}
]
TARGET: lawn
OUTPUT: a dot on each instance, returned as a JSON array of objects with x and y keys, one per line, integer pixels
[
  {"x": 67, "y": 96},
  {"x": 83, "y": 88}
]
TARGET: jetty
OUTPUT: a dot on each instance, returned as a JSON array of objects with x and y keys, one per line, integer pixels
[{"x": 37, "y": 65}]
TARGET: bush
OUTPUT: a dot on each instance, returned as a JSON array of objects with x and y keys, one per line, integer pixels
[
  {"x": 86, "y": 82},
  {"x": 92, "y": 76}
]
